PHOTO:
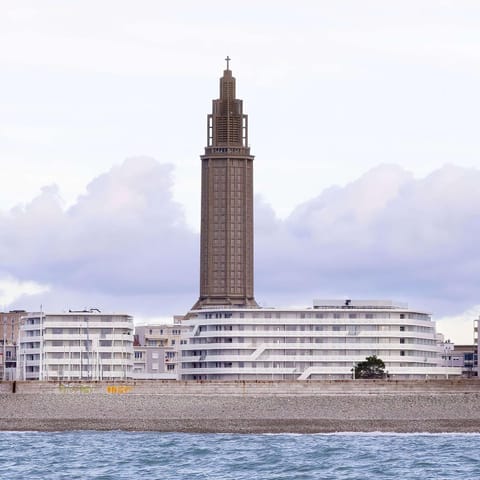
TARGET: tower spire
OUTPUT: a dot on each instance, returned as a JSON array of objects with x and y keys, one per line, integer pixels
[{"x": 226, "y": 239}]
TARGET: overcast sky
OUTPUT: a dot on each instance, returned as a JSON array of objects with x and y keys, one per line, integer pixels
[{"x": 363, "y": 119}]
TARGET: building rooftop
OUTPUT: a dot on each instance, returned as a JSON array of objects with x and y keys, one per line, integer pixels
[
  {"x": 319, "y": 304},
  {"x": 350, "y": 303}
]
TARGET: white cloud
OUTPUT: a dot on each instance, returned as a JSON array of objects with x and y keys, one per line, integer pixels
[
  {"x": 332, "y": 89},
  {"x": 459, "y": 328},
  {"x": 125, "y": 236},
  {"x": 344, "y": 85},
  {"x": 383, "y": 235},
  {"x": 12, "y": 289},
  {"x": 125, "y": 245}
]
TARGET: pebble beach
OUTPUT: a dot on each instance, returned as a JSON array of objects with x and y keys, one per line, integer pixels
[{"x": 424, "y": 412}]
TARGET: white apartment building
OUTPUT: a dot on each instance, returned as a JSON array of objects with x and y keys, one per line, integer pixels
[
  {"x": 320, "y": 343},
  {"x": 85, "y": 345}
]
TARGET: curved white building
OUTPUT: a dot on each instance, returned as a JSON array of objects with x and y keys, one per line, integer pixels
[
  {"x": 75, "y": 346},
  {"x": 319, "y": 343}
]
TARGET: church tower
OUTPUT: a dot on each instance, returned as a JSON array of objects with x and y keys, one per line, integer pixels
[{"x": 226, "y": 243}]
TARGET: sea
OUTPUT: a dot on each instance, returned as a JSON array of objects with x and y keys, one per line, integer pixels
[{"x": 168, "y": 456}]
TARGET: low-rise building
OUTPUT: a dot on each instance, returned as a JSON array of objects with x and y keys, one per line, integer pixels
[
  {"x": 320, "y": 343},
  {"x": 10, "y": 323},
  {"x": 9, "y": 360},
  {"x": 476, "y": 340},
  {"x": 149, "y": 363},
  {"x": 156, "y": 350},
  {"x": 466, "y": 358},
  {"x": 78, "y": 345}
]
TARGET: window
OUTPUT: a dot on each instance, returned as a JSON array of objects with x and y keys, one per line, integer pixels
[
  {"x": 402, "y": 353},
  {"x": 402, "y": 340},
  {"x": 138, "y": 354},
  {"x": 402, "y": 328}
]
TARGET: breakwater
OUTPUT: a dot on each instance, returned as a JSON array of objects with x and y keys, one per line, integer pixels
[{"x": 403, "y": 406}]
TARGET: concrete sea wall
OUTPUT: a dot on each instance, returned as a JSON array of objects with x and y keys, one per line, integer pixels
[
  {"x": 168, "y": 387},
  {"x": 433, "y": 406}
]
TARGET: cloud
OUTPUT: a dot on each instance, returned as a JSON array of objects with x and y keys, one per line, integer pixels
[
  {"x": 11, "y": 289},
  {"x": 383, "y": 235},
  {"x": 125, "y": 245},
  {"x": 125, "y": 237},
  {"x": 459, "y": 327}
]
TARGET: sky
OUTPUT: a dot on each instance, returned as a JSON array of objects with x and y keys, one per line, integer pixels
[{"x": 363, "y": 117}]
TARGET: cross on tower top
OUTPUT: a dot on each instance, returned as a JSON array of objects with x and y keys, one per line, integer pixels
[{"x": 228, "y": 62}]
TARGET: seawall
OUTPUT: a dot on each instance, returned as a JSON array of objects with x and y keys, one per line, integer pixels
[{"x": 302, "y": 407}]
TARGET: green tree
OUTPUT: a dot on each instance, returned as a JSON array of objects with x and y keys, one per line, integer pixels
[{"x": 371, "y": 367}]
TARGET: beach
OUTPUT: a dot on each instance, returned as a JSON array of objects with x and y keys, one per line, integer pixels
[{"x": 428, "y": 407}]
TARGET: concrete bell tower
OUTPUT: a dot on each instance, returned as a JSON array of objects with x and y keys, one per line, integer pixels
[{"x": 226, "y": 243}]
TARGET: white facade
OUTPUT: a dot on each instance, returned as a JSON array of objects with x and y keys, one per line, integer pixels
[
  {"x": 75, "y": 346},
  {"x": 319, "y": 343}
]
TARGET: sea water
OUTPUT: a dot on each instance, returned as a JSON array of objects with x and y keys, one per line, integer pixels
[{"x": 169, "y": 456}]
